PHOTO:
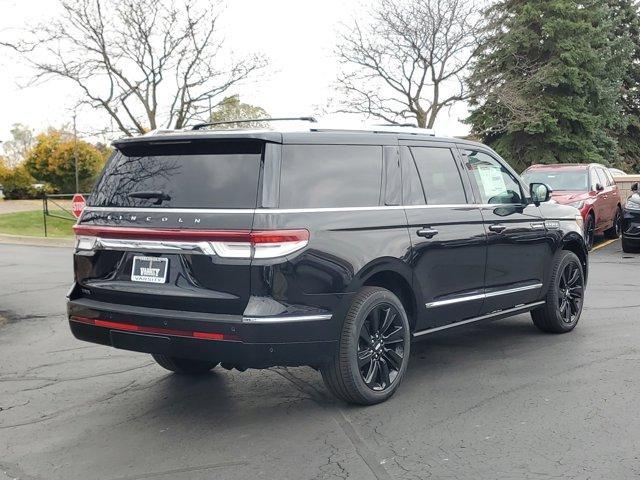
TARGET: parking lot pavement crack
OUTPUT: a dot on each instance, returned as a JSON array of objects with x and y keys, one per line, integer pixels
[{"x": 360, "y": 447}]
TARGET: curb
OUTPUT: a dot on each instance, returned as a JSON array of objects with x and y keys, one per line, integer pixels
[{"x": 36, "y": 241}]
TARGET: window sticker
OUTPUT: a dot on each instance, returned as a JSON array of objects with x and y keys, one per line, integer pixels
[{"x": 492, "y": 181}]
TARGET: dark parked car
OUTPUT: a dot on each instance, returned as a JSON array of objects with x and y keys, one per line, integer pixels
[
  {"x": 589, "y": 188},
  {"x": 631, "y": 222},
  {"x": 327, "y": 248}
]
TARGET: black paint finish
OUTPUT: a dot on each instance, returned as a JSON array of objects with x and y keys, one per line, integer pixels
[{"x": 442, "y": 277}]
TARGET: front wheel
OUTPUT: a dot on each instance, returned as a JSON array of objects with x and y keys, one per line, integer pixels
[
  {"x": 564, "y": 299},
  {"x": 183, "y": 365},
  {"x": 373, "y": 351}
]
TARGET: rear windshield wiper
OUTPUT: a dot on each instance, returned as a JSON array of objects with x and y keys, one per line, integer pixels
[{"x": 158, "y": 195}]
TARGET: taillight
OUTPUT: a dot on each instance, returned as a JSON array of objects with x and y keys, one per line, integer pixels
[{"x": 260, "y": 244}]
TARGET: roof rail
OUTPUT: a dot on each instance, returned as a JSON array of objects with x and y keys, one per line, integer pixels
[
  {"x": 407, "y": 129},
  {"x": 200, "y": 126}
]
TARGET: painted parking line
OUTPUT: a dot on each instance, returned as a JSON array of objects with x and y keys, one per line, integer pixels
[{"x": 604, "y": 244}]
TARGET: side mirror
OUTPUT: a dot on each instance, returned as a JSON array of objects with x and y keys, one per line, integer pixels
[
  {"x": 599, "y": 187},
  {"x": 540, "y": 192},
  {"x": 635, "y": 187}
]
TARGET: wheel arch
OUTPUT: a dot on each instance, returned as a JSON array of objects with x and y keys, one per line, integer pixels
[
  {"x": 395, "y": 276},
  {"x": 575, "y": 243}
]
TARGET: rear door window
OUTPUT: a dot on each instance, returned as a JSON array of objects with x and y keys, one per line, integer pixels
[
  {"x": 328, "y": 176},
  {"x": 439, "y": 175},
  {"x": 191, "y": 175}
]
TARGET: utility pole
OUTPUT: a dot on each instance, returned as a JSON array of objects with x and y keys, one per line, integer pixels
[{"x": 75, "y": 151}]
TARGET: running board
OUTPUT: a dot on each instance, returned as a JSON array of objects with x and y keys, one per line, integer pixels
[{"x": 490, "y": 316}]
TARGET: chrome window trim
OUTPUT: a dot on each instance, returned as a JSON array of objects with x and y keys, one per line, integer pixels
[
  {"x": 482, "y": 296},
  {"x": 285, "y": 319},
  {"x": 520, "y": 308},
  {"x": 278, "y": 210}
]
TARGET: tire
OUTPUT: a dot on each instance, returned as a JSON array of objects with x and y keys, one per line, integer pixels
[
  {"x": 183, "y": 366},
  {"x": 366, "y": 352},
  {"x": 628, "y": 247},
  {"x": 565, "y": 297},
  {"x": 616, "y": 229},
  {"x": 590, "y": 231}
]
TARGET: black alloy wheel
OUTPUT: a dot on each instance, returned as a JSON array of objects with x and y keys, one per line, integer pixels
[
  {"x": 570, "y": 293},
  {"x": 373, "y": 351},
  {"x": 381, "y": 347},
  {"x": 563, "y": 301}
]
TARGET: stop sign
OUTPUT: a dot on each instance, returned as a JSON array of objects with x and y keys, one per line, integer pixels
[{"x": 77, "y": 205}]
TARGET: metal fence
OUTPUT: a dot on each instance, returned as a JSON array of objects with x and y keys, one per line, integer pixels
[{"x": 52, "y": 206}]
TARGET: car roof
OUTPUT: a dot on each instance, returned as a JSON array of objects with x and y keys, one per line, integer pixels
[{"x": 301, "y": 136}]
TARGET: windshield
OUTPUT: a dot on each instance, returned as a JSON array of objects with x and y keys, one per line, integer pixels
[
  {"x": 559, "y": 180},
  {"x": 202, "y": 175}
]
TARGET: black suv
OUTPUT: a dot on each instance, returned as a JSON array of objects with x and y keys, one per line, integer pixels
[{"x": 320, "y": 247}]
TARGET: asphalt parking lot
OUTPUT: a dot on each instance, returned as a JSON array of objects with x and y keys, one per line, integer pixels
[{"x": 496, "y": 401}]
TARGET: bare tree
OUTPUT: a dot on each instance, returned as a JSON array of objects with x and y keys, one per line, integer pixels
[
  {"x": 408, "y": 62},
  {"x": 147, "y": 63}
]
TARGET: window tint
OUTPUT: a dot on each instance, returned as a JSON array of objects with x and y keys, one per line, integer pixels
[
  {"x": 439, "y": 175},
  {"x": 317, "y": 176},
  {"x": 202, "y": 175},
  {"x": 494, "y": 182}
]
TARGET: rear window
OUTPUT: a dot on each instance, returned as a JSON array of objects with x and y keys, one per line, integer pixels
[
  {"x": 181, "y": 175},
  {"x": 327, "y": 176}
]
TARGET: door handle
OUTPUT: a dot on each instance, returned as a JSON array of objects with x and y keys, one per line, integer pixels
[
  {"x": 497, "y": 228},
  {"x": 427, "y": 232}
]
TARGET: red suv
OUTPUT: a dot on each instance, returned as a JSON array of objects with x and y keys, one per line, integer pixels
[{"x": 589, "y": 188}]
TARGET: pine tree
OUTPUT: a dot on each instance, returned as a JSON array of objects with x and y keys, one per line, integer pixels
[
  {"x": 626, "y": 20},
  {"x": 546, "y": 83}
]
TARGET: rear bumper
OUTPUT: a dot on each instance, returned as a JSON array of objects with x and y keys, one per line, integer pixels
[{"x": 304, "y": 339}]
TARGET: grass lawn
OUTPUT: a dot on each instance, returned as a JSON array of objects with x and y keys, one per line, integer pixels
[{"x": 32, "y": 224}]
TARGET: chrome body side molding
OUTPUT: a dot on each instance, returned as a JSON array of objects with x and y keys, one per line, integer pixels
[
  {"x": 499, "y": 313},
  {"x": 481, "y": 296}
]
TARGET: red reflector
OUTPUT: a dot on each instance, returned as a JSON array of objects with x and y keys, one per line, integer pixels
[{"x": 129, "y": 327}]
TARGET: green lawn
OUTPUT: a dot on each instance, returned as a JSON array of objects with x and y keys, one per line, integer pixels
[{"x": 32, "y": 224}]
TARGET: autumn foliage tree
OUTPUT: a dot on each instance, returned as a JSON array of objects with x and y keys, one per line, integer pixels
[{"x": 52, "y": 160}]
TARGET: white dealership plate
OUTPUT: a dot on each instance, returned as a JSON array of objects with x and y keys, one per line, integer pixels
[{"x": 150, "y": 269}]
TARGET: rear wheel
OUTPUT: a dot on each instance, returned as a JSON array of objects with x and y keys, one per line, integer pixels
[
  {"x": 590, "y": 231},
  {"x": 373, "y": 351},
  {"x": 561, "y": 312},
  {"x": 616, "y": 229},
  {"x": 183, "y": 365}
]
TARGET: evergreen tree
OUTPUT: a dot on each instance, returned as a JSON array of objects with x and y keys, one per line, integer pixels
[
  {"x": 546, "y": 83},
  {"x": 626, "y": 20}
]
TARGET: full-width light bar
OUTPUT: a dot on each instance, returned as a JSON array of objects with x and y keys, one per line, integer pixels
[{"x": 224, "y": 243}]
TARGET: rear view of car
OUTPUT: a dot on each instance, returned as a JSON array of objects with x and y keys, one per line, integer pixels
[{"x": 589, "y": 188}]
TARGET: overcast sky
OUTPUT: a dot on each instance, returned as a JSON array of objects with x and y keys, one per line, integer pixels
[{"x": 297, "y": 36}]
